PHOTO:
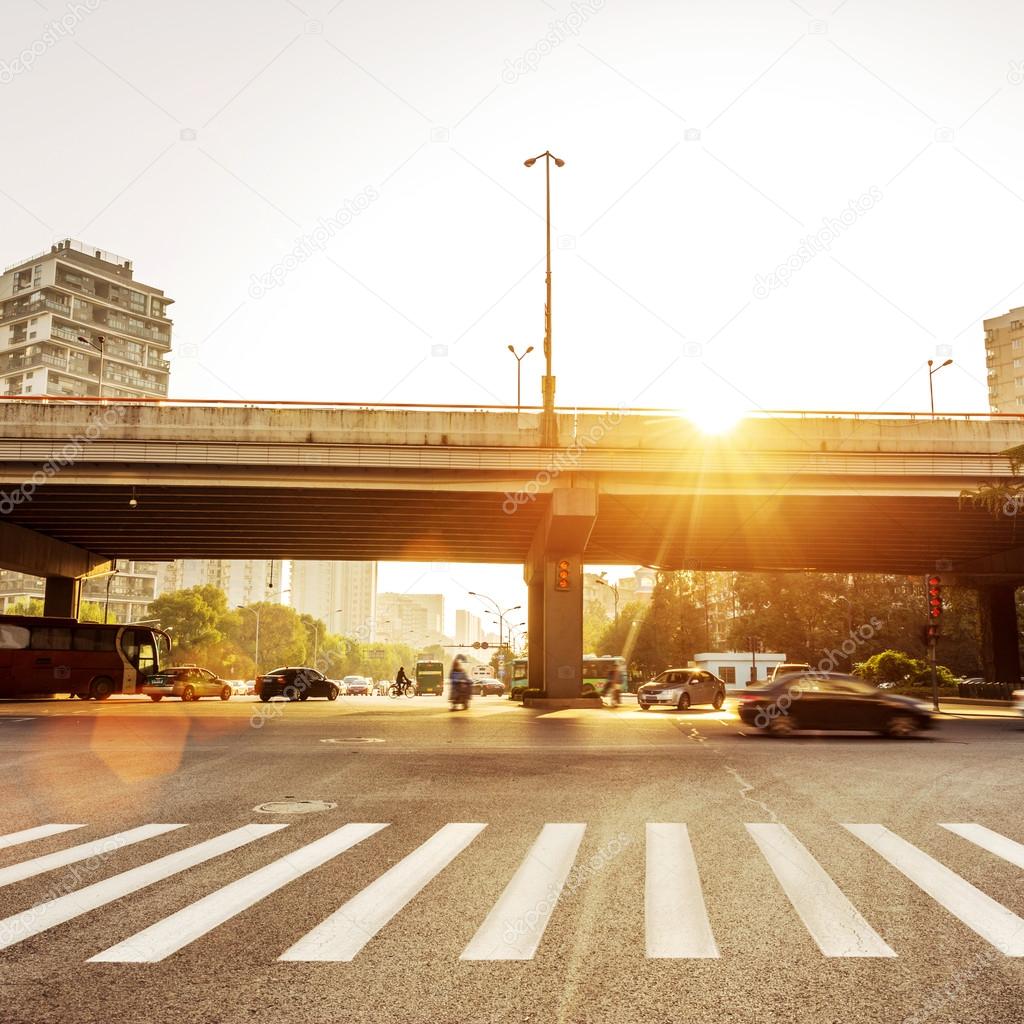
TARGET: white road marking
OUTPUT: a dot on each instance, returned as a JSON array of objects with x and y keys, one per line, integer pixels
[
  {"x": 833, "y": 921},
  {"x": 981, "y": 913},
  {"x": 516, "y": 923},
  {"x": 995, "y": 843},
  {"x": 342, "y": 935},
  {"x": 11, "y": 721},
  {"x": 165, "y": 937},
  {"x": 95, "y": 848},
  {"x": 47, "y": 915},
  {"x": 676, "y": 920},
  {"x": 27, "y": 835}
]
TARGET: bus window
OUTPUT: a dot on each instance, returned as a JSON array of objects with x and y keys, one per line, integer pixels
[
  {"x": 51, "y": 638},
  {"x": 163, "y": 649},
  {"x": 139, "y": 649},
  {"x": 89, "y": 638},
  {"x": 13, "y": 638}
]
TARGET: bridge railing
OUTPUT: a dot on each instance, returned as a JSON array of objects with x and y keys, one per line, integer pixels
[{"x": 565, "y": 410}]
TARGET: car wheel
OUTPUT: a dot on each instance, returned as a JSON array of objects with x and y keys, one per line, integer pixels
[
  {"x": 264, "y": 697},
  {"x": 332, "y": 693},
  {"x": 303, "y": 696},
  {"x": 780, "y": 725},
  {"x": 644, "y": 707},
  {"x": 684, "y": 702},
  {"x": 156, "y": 697},
  {"x": 225, "y": 694},
  {"x": 101, "y": 688},
  {"x": 188, "y": 694},
  {"x": 901, "y": 726},
  {"x": 718, "y": 701}
]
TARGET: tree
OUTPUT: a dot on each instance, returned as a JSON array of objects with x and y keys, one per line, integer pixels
[
  {"x": 89, "y": 611},
  {"x": 195, "y": 617},
  {"x": 900, "y": 668}
]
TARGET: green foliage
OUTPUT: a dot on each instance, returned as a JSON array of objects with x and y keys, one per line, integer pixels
[
  {"x": 897, "y": 667},
  {"x": 195, "y": 617},
  {"x": 89, "y": 611}
]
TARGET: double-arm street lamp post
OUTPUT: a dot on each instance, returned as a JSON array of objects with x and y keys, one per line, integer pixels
[
  {"x": 519, "y": 373},
  {"x": 501, "y": 614},
  {"x": 548, "y": 384}
]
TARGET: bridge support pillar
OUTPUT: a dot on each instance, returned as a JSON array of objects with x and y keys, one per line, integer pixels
[
  {"x": 1000, "y": 644},
  {"x": 555, "y": 614},
  {"x": 62, "y": 596}
]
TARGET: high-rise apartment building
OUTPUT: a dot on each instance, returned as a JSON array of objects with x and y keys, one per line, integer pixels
[
  {"x": 244, "y": 581},
  {"x": 1004, "y": 358},
  {"x": 468, "y": 628},
  {"x": 75, "y": 322},
  {"x": 343, "y": 595},
  {"x": 414, "y": 619}
]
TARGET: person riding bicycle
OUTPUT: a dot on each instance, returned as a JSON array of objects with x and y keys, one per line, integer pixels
[
  {"x": 402, "y": 681},
  {"x": 613, "y": 687}
]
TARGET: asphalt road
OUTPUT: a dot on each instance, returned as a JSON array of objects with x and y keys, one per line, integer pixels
[{"x": 530, "y": 867}]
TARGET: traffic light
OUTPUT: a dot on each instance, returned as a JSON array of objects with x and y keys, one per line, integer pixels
[
  {"x": 563, "y": 579},
  {"x": 934, "y": 598}
]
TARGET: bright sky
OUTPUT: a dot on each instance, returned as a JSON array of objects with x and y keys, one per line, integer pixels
[{"x": 704, "y": 142}]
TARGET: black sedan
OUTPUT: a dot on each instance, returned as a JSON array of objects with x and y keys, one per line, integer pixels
[
  {"x": 830, "y": 700},
  {"x": 296, "y": 684}
]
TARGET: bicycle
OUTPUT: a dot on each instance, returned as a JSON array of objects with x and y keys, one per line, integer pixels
[{"x": 402, "y": 690}]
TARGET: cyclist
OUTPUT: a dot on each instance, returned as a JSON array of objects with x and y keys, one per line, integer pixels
[
  {"x": 613, "y": 687},
  {"x": 402, "y": 681}
]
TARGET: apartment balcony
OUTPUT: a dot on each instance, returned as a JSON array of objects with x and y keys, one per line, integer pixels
[{"x": 18, "y": 310}]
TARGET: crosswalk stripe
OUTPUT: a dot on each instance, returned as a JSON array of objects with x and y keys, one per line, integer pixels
[
  {"x": 995, "y": 843},
  {"x": 47, "y": 915},
  {"x": 676, "y": 919},
  {"x": 516, "y": 923},
  {"x": 342, "y": 935},
  {"x": 833, "y": 921},
  {"x": 165, "y": 937},
  {"x": 73, "y": 854},
  {"x": 27, "y": 835},
  {"x": 981, "y": 913}
]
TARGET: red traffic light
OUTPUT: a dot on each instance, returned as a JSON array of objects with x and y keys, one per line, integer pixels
[
  {"x": 562, "y": 578},
  {"x": 934, "y": 596}
]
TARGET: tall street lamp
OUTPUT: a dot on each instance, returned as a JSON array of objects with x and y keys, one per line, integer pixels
[
  {"x": 519, "y": 372},
  {"x": 548, "y": 383},
  {"x": 614, "y": 588},
  {"x": 256, "y": 659},
  {"x": 98, "y": 343},
  {"x": 501, "y": 614},
  {"x": 931, "y": 373}
]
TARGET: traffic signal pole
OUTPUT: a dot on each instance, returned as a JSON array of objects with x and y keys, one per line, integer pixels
[{"x": 935, "y": 674}]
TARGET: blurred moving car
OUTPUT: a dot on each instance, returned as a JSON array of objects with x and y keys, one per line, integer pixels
[
  {"x": 1018, "y": 701},
  {"x": 189, "y": 682},
  {"x": 832, "y": 701},
  {"x": 357, "y": 686},
  {"x": 681, "y": 688},
  {"x": 239, "y": 687},
  {"x": 296, "y": 684},
  {"x": 491, "y": 688}
]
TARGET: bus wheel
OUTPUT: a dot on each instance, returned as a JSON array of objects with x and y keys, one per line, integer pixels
[
  {"x": 156, "y": 697},
  {"x": 101, "y": 689},
  {"x": 225, "y": 694}
]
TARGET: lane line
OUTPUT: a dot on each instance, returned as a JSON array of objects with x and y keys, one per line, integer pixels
[
  {"x": 995, "y": 843},
  {"x": 834, "y": 922},
  {"x": 165, "y": 937},
  {"x": 676, "y": 920},
  {"x": 84, "y": 851},
  {"x": 47, "y": 915},
  {"x": 28, "y": 835},
  {"x": 342, "y": 935},
  {"x": 981, "y": 913},
  {"x": 516, "y": 923}
]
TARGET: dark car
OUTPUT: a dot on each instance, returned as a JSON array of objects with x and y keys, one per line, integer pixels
[
  {"x": 489, "y": 687},
  {"x": 831, "y": 700},
  {"x": 295, "y": 684},
  {"x": 189, "y": 682}
]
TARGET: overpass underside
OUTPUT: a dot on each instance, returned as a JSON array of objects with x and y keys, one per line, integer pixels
[{"x": 848, "y": 532}]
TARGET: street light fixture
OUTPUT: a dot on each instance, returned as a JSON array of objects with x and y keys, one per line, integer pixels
[
  {"x": 519, "y": 372},
  {"x": 931, "y": 373},
  {"x": 614, "y": 588},
  {"x": 501, "y": 614},
  {"x": 548, "y": 383},
  {"x": 256, "y": 658},
  {"x": 98, "y": 343}
]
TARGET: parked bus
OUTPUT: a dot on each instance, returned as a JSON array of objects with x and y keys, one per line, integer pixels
[
  {"x": 595, "y": 672},
  {"x": 429, "y": 677},
  {"x": 90, "y": 660}
]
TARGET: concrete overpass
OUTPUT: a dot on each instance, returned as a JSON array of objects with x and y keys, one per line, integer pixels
[{"x": 781, "y": 491}]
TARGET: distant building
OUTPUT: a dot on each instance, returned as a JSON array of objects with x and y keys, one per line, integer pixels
[
  {"x": 414, "y": 619},
  {"x": 75, "y": 322},
  {"x": 343, "y": 595},
  {"x": 1004, "y": 358},
  {"x": 738, "y": 668},
  {"x": 244, "y": 581},
  {"x": 468, "y": 628}
]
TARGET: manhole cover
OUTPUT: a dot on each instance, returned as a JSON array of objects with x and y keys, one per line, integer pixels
[
  {"x": 294, "y": 806},
  {"x": 355, "y": 739}
]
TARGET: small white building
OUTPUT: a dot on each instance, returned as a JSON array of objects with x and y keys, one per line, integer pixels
[{"x": 739, "y": 668}]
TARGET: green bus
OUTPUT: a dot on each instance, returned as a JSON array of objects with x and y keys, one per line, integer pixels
[
  {"x": 595, "y": 672},
  {"x": 430, "y": 677}
]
